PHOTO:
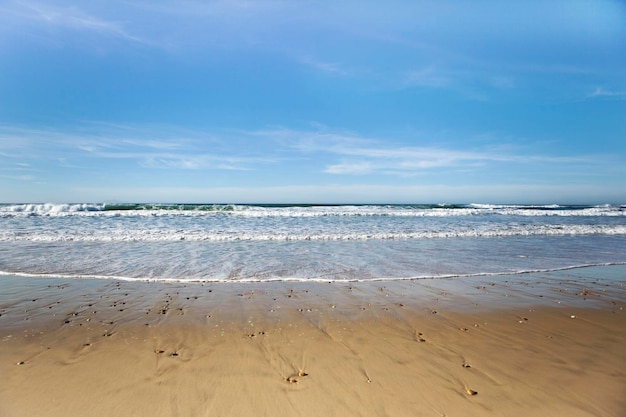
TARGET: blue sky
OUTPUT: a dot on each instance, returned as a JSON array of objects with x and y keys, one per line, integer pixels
[{"x": 313, "y": 101}]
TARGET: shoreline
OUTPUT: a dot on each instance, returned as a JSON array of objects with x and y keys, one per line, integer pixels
[
  {"x": 248, "y": 281},
  {"x": 532, "y": 344}
]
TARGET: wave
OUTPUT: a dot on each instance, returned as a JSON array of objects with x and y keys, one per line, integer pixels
[
  {"x": 524, "y": 207},
  {"x": 169, "y": 207},
  {"x": 325, "y": 279},
  {"x": 158, "y": 235},
  {"x": 304, "y": 210},
  {"x": 47, "y": 209}
]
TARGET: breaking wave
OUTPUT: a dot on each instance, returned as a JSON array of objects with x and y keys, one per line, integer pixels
[{"x": 303, "y": 210}]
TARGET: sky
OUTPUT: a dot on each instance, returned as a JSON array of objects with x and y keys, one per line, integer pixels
[{"x": 305, "y": 101}]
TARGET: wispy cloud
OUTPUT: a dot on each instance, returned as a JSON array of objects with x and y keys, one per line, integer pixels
[
  {"x": 428, "y": 77},
  {"x": 326, "y": 151},
  {"x": 149, "y": 147},
  {"x": 331, "y": 68},
  {"x": 20, "y": 171},
  {"x": 19, "y": 177},
  {"x": 68, "y": 17},
  {"x": 352, "y": 154},
  {"x": 603, "y": 93},
  {"x": 406, "y": 160},
  {"x": 470, "y": 80},
  {"x": 221, "y": 8},
  {"x": 199, "y": 162}
]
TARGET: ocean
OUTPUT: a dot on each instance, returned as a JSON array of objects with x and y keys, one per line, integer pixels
[{"x": 281, "y": 242}]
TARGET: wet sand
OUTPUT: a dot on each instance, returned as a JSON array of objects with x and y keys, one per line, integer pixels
[{"x": 548, "y": 344}]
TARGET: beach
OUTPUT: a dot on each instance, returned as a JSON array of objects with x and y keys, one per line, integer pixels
[
  {"x": 236, "y": 208},
  {"x": 545, "y": 343}
]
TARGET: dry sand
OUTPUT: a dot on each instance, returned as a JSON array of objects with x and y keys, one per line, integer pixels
[{"x": 545, "y": 344}]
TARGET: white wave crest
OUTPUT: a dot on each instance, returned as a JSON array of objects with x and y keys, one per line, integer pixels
[
  {"x": 251, "y": 211},
  {"x": 49, "y": 209},
  {"x": 157, "y": 235}
]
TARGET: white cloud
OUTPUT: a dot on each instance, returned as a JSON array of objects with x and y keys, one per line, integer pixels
[
  {"x": 69, "y": 17},
  {"x": 148, "y": 146},
  {"x": 332, "y": 68},
  {"x": 428, "y": 77},
  {"x": 323, "y": 150},
  {"x": 351, "y": 168},
  {"x": 602, "y": 93},
  {"x": 347, "y": 153},
  {"x": 402, "y": 160},
  {"x": 198, "y": 162},
  {"x": 19, "y": 177}
]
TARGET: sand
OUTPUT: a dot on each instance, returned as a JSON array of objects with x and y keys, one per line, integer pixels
[{"x": 544, "y": 344}]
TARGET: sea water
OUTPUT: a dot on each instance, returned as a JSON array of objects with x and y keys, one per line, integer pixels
[{"x": 224, "y": 242}]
